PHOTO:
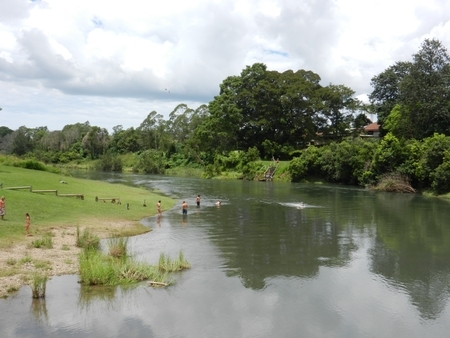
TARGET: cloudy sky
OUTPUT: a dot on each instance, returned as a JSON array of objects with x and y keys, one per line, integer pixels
[{"x": 112, "y": 62}]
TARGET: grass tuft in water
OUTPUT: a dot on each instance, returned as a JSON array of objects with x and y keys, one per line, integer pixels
[
  {"x": 118, "y": 247},
  {"x": 38, "y": 284},
  {"x": 171, "y": 265},
  {"x": 99, "y": 269}
]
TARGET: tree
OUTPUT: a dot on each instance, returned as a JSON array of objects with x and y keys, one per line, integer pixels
[
  {"x": 148, "y": 130},
  {"x": 399, "y": 123},
  {"x": 22, "y": 142},
  {"x": 386, "y": 92},
  {"x": 179, "y": 124},
  {"x": 124, "y": 141},
  {"x": 5, "y": 130},
  {"x": 74, "y": 133},
  {"x": 361, "y": 120},
  {"x": 95, "y": 141},
  {"x": 420, "y": 87},
  {"x": 275, "y": 111},
  {"x": 425, "y": 90},
  {"x": 337, "y": 112}
]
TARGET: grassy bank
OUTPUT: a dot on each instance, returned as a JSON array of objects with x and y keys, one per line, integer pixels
[{"x": 49, "y": 210}]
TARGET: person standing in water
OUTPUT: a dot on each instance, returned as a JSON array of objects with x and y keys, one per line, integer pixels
[
  {"x": 158, "y": 208},
  {"x": 184, "y": 207},
  {"x": 27, "y": 223},
  {"x": 198, "y": 200}
]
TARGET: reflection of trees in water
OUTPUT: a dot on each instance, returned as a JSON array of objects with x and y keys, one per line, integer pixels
[
  {"x": 423, "y": 276},
  {"x": 39, "y": 310},
  {"x": 292, "y": 244},
  {"x": 412, "y": 249}
]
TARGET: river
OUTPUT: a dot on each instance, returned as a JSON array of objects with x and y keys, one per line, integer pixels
[{"x": 350, "y": 263}]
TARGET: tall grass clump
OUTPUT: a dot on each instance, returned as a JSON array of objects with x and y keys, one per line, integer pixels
[
  {"x": 44, "y": 242},
  {"x": 118, "y": 247},
  {"x": 95, "y": 269},
  {"x": 171, "y": 265},
  {"x": 99, "y": 269},
  {"x": 87, "y": 240},
  {"x": 38, "y": 284}
]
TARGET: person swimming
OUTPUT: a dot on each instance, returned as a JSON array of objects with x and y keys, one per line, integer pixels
[{"x": 301, "y": 205}]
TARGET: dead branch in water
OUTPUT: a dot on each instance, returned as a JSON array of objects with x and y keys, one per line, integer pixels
[{"x": 394, "y": 182}]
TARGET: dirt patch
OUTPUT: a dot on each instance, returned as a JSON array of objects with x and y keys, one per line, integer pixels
[{"x": 19, "y": 262}]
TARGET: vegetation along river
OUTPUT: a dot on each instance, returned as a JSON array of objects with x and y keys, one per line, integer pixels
[{"x": 351, "y": 263}]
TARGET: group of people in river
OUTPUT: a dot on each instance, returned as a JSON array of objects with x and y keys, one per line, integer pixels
[{"x": 184, "y": 206}]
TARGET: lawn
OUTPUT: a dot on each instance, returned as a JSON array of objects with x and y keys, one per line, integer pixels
[{"x": 49, "y": 210}]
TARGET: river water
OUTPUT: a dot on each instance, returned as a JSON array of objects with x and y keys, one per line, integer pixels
[{"x": 351, "y": 263}]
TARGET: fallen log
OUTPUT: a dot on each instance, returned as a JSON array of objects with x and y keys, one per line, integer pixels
[{"x": 152, "y": 283}]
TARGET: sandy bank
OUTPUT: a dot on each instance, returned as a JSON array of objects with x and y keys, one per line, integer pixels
[{"x": 19, "y": 262}]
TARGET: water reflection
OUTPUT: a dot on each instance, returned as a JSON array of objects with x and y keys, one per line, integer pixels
[
  {"x": 39, "y": 310},
  {"x": 412, "y": 250},
  {"x": 94, "y": 294},
  {"x": 351, "y": 263}
]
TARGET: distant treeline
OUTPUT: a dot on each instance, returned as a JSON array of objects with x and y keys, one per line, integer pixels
[{"x": 263, "y": 114}]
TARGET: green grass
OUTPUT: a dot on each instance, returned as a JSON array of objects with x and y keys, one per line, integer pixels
[
  {"x": 48, "y": 210},
  {"x": 118, "y": 247},
  {"x": 87, "y": 239},
  {"x": 168, "y": 264},
  {"x": 44, "y": 242},
  {"x": 97, "y": 268},
  {"x": 38, "y": 284}
]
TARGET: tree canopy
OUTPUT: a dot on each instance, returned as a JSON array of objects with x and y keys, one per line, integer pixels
[
  {"x": 420, "y": 88},
  {"x": 276, "y": 112}
]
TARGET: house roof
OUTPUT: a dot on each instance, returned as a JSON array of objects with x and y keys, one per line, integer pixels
[{"x": 372, "y": 127}]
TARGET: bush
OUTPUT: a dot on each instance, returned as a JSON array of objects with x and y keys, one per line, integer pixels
[
  {"x": 109, "y": 162},
  {"x": 440, "y": 178},
  {"x": 394, "y": 182}
]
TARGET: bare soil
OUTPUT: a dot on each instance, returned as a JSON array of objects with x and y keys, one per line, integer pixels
[{"x": 19, "y": 262}]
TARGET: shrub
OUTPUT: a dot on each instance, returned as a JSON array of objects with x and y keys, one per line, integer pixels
[
  {"x": 440, "y": 178},
  {"x": 394, "y": 182}
]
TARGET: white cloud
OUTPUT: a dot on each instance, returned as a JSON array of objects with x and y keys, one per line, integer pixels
[{"x": 86, "y": 54}]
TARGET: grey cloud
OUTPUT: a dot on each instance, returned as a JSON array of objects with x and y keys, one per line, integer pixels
[
  {"x": 41, "y": 63},
  {"x": 306, "y": 30},
  {"x": 13, "y": 10}
]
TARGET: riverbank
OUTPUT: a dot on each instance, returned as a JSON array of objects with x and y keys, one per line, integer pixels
[
  {"x": 18, "y": 262},
  {"x": 43, "y": 197}
]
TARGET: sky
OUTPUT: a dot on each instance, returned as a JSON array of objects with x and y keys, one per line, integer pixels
[{"x": 113, "y": 62}]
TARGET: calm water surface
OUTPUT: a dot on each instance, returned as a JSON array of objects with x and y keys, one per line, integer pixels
[{"x": 352, "y": 263}]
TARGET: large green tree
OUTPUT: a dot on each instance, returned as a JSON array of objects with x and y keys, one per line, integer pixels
[
  {"x": 386, "y": 89},
  {"x": 276, "y": 112},
  {"x": 421, "y": 88},
  {"x": 425, "y": 90},
  {"x": 148, "y": 130}
]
